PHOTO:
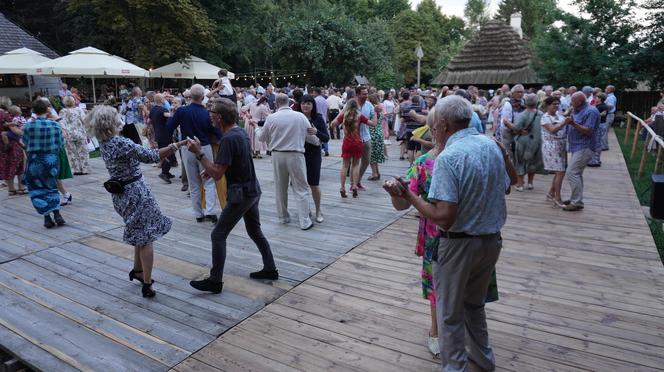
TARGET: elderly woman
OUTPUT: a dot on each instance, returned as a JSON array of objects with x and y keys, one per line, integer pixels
[
  {"x": 75, "y": 135},
  {"x": 554, "y": 147},
  {"x": 312, "y": 152},
  {"x": 134, "y": 116},
  {"x": 12, "y": 160},
  {"x": 528, "y": 143},
  {"x": 132, "y": 198},
  {"x": 43, "y": 140},
  {"x": 255, "y": 114}
]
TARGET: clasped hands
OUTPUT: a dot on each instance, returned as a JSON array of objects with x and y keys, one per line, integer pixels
[{"x": 397, "y": 187}]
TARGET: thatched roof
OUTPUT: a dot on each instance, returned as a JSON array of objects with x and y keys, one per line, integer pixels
[
  {"x": 496, "y": 55},
  {"x": 14, "y": 37}
]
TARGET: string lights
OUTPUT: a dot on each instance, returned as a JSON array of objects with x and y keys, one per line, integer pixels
[{"x": 248, "y": 76}]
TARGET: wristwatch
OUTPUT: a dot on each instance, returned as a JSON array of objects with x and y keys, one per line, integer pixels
[{"x": 200, "y": 156}]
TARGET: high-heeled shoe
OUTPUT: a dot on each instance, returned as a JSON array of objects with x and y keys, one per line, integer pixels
[
  {"x": 354, "y": 190},
  {"x": 343, "y": 193},
  {"x": 147, "y": 291},
  {"x": 132, "y": 276}
]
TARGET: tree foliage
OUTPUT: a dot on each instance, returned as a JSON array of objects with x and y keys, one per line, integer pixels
[
  {"x": 476, "y": 13},
  {"x": 648, "y": 61},
  {"x": 596, "y": 49},
  {"x": 535, "y": 14}
]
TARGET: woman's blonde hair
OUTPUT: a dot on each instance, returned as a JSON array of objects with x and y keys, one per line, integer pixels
[
  {"x": 104, "y": 122},
  {"x": 5, "y": 102},
  {"x": 351, "y": 114},
  {"x": 69, "y": 101}
]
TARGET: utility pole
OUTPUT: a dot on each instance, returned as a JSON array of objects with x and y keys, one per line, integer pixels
[{"x": 419, "y": 54}]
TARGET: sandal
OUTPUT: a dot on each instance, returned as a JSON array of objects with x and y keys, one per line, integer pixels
[
  {"x": 343, "y": 193},
  {"x": 22, "y": 191},
  {"x": 12, "y": 192},
  {"x": 354, "y": 190},
  {"x": 374, "y": 178}
]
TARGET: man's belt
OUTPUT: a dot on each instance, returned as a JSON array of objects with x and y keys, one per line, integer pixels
[{"x": 459, "y": 235}]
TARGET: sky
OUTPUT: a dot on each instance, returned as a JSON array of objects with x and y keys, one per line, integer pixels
[{"x": 455, "y": 7}]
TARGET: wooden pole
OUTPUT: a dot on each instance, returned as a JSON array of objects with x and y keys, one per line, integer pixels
[
  {"x": 644, "y": 153},
  {"x": 629, "y": 125},
  {"x": 658, "y": 160},
  {"x": 636, "y": 139}
]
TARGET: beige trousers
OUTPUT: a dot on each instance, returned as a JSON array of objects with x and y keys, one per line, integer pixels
[{"x": 291, "y": 167}]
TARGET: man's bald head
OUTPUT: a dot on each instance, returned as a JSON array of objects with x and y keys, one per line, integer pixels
[{"x": 578, "y": 100}]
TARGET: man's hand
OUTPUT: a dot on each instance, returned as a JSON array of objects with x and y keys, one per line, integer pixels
[
  {"x": 394, "y": 188},
  {"x": 312, "y": 130},
  {"x": 194, "y": 145}
]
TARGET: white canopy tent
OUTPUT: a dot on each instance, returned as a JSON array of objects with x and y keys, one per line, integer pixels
[
  {"x": 191, "y": 68},
  {"x": 91, "y": 62},
  {"x": 20, "y": 61}
]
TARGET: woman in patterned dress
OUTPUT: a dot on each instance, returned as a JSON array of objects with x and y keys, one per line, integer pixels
[
  {"x": 144, "y": 222},
  {"x": 418, "y": 178},
  {"x": 76, "y": 138},
  {"x": 554, "y": 147},
  {"x": 12, "y": 160},
  {"x": 377, "y": 139}
]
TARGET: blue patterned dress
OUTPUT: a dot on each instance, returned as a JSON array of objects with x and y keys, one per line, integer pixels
[
  {"x": 43, "y": 140},
  {"x": 144, "y": 222}
]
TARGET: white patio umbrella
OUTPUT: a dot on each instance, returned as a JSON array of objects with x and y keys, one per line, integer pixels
[
  {"x": 20, "y": 61},
  {"x": 191, "y": 68},
  {"x": 91, "y": 62}
]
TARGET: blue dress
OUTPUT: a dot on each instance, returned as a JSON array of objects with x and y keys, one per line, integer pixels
[{"x": 144, "y": 222}]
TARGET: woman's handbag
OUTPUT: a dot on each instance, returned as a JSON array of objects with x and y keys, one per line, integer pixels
[
  {"x": 89, "y": 146},
  {"x": 114, "y": 186}
]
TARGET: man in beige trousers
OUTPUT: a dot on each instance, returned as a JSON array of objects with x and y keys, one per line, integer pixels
[{"x": 285, "y": 132}]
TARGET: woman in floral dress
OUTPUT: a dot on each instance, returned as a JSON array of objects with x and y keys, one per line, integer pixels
[
  {"x": 377, "y": 139},
  {"x": 554, "y": 147},
  {"x": 76, "y": 138},
  {"x": 144, "y": 222}
]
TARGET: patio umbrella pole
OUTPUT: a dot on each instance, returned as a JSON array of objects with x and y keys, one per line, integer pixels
[
  {"x": 116, "y": 88},
  {"x": 29, "y": 88},
  {"x": 94, "y": 92}
]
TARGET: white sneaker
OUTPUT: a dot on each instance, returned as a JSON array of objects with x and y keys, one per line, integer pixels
[
  {"x": 319, "y": 218},
  {"x": 434, "y": 347},
  {"x": 518, "y": 188},
  {"x": 530, "y": 186}
]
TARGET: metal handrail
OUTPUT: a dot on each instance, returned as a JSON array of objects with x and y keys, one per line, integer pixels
[{"x": 651, "y": 136}]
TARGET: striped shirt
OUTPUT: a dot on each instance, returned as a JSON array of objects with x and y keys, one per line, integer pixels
[{"x": 587, "y": 116}]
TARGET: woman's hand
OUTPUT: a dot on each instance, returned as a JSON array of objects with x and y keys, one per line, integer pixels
[
  {"x": 193, "y": 145},
  {"x": 394, "y": 188},
  {"x": 312, "y": 130}
]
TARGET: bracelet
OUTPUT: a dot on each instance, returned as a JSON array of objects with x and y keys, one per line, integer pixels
[{"x": 173, "y": 147}]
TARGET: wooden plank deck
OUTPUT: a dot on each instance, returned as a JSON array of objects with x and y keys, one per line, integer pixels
[
  {"x": 578, "y": 291},
  {"x": 66, "y": 302}
]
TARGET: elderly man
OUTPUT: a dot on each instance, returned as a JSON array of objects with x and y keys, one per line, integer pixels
[
  {"x": 612, "y": 102},
  {"x": 582, "y": 139},
  {"x": 234, "y": 161},
  {"x": 509, "y": 115},
  {"x": 467, "y": 202},
  {"x": 285, "y": 132},
  {"x": 194, "y": 121},
  {"x": 321, "y": 108}
]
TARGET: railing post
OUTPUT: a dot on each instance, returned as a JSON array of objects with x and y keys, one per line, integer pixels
[
  {"x": 636, "y": 139},
  {"x": 658, "y": 160},
  {"x": 644, "y": 153},
  {"x": 629, "y": 125}
]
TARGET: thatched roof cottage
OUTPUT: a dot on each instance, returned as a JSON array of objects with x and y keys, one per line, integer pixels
[{"x": 497, "y": 54}]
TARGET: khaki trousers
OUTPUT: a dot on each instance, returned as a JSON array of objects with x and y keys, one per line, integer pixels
[{"x": 291, "y": 167}]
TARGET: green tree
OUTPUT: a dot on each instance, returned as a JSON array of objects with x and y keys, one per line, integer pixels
[
  {"x": 648, "y": 60},
  {"x": 388, "y": 9},
  {"x": 147, "y": 32},
  {"x": 476, "y": 13},
  {"x": 593, "y": 51},
  {"x": 535, "y": 14},
  {"x": 426, "y": 27}
]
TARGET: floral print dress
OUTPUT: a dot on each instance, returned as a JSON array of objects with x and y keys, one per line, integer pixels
[{"x": 428, "y": 236}]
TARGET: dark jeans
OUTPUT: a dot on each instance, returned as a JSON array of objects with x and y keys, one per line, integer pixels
[
  {"x": 229, "y": 217},
  {"x": 168, "y": 162},
  {"x": 331, "y": 116}
]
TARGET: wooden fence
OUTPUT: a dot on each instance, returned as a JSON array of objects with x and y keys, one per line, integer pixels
[{"x": 651, "y": 136}]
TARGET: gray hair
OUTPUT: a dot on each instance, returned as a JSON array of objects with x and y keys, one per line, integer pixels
[
  {"x": 454, "y": 109},
  {"x": 104, "y": 122},
  {"x": 518, "y": 87},
  {"x": 5, "y": 102},
  {"x": 69, "y": 101},
  {"x": 531, "y": 100},
  {"x": 282, "y": 100},
  {"x": 197, "y": 92}
]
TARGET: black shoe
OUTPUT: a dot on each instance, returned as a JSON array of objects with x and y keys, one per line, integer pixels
[
  {"x": 327, "y": 154},
  {"x": 58, "y": 218},
  {"x": 265, "y": 274},
  {"x": 165, "y": 178},
  {"x": 48, "y": 222},
  {"x": 132, "y": 276},
  {"x": 269, "y": 153},
  {"x": 170, "y": 175},
  {"x": 200, "y": 219},
  {"x": 147, "y": 291},
  {"x": 211, "y": 217},
  {"x": 594, "y": 165},
  {"x": 184, "y": 188},
  {"x": 207, "y": 285}
]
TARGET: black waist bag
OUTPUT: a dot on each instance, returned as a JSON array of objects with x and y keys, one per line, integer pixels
[{"x": 114, "y": 186}]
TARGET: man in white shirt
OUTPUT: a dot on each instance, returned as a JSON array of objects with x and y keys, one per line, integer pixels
[
  {"x": 285, "y": 132},
  {"x": 334, "y": 107}
]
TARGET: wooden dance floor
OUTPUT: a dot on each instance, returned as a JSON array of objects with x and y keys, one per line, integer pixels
[{"x": 579, "y": 291}]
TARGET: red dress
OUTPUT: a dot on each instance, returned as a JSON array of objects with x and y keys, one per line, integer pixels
[
  {"x": 12, "y": 161},
  {"x": 352, "y": 146}
]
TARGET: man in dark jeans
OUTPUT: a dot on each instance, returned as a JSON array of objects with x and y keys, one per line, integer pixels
[
  {"x": 158, "y": 117},
  {"x": 233, "y": 160}
]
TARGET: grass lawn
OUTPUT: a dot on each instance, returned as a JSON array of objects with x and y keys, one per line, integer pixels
[{"x": 642, "y": 184}]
